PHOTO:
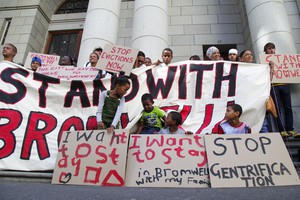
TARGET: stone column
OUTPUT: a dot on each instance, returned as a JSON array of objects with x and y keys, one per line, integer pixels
[
  {"x": 150, "y": 27},
  {"x": 268, "y": 22},
  {"x": 100, "y": 27}
]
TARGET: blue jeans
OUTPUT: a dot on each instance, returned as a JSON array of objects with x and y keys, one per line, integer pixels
[
  {"x": 150, "y": 130},
  {"x": 265, "y": 125},
  {"x": 282, "y": 96}
]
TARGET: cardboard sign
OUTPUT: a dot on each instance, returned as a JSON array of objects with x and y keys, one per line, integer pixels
[
  {"x": 47, "y": 59},
  {"x": 69, "y": 72},
  {"x": 249, "y": 160},
  {"x": 287, "y": 67},
  {"x": 116, "y": 58},
  {"x": 91, "y": 158},
  {"x": 166, "y": 161}
]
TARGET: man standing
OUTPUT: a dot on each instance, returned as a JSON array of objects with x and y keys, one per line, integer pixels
[
  {"x": 9, "y": 51},
  {"x": 233, "y": 55}
]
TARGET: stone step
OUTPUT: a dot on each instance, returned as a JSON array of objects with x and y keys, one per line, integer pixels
[{"x": 22, "y": 176}]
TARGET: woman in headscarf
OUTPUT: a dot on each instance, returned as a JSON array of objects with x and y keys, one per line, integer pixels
[{"x": 213, "y": 53}]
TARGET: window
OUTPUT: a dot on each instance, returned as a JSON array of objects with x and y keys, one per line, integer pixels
[
  {"x": 65, "y": 43},
  {"x": 7, "y": 23},
  {"x": 73, "y": 6}
]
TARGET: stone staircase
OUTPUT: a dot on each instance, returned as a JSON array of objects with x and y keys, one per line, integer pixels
[{"x": 293, "y": 147}]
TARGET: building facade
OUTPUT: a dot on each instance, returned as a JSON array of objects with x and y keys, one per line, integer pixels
[{"x": 188, "y": 27}]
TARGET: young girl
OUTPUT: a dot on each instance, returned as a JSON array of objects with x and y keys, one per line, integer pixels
[
  {"x": 111, "y": 104},
  {"x": 150, "y": 121}
]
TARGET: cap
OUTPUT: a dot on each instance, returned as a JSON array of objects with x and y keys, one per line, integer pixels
[
  {"x": 37, "y": 59},
  {"x": 233, "y": 51}
]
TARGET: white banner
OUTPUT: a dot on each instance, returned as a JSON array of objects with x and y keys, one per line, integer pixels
[{"x": 35, "y": 109}]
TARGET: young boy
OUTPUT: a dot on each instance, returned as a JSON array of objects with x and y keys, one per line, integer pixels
[
  {"x": 167, "y": 55},
  {"x": 231, "y": 124},
  {"x": 150, "y": 121},
  {"x": 173, "y": 120},
  {"x": 36, "y": 62}
]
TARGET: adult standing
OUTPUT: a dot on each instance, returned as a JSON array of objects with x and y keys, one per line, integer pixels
[
  {"x": 66, "y": 61},
  {"x": 246, "y": 56},
  {"x": 9, "y": 51},
  {"x": 280, "y": 92},
  {"x": 93, "y": 60},
  {"x": 233, "y": 55},
  {"x": 213, "y": 53}
]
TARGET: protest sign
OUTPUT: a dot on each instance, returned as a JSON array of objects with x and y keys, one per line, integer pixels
[
  {"x": 91, "y": 158},
  {"x": 36, "y": 109},
  {"x": 69, "y": 72},
  {"x": 115, "y": 58},
  {"x": 286, "y": 66},
  {"x": 47, "y": 59},
  {"x": 249, "y": 160},
  {"x": 166, "y": 161}
]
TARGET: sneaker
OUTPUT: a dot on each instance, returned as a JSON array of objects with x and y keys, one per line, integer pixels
[
  {"x": 296, "y": 135},
  {"x": 284, "y": 134},
  {"x": 292, "y": 133}
]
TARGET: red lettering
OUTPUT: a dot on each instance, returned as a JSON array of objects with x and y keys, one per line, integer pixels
[
  {"x": 6, "y": 130},
  {"x": 96, "y": 171},
  {"x": 137, "y": 154},
  {"x": 114, "y": 156},
  {"x": 169, "y": 159},
  {"x": 150, "y": 154},
  {"x": 102, "y": 155},
  {"x": 36, "y": 134},
  {"x": 207, "y": 117},
  {"x": 116, "y": 175},
  {"x": 83, "y": 150},
  {"x": 76, "y": 163},
  {"x": 135, "y": 139}
]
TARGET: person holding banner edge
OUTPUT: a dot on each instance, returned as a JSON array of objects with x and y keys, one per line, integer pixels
[
  {"x": 167, "y": 56},
  {"x": 280, "y": 92},
  {"x": 111, "y": 104},
  {"x": 9, "y": 51},
  {"x": 247, "y": 56},
  {"x": 36, "y": 62},
  {"x": 213, "y": 53}
]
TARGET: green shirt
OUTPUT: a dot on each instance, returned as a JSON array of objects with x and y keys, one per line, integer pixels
[{"x": 153, "y": 118}]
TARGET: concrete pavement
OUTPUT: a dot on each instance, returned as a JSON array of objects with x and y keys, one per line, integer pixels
[{"x": 12, "y": 190}]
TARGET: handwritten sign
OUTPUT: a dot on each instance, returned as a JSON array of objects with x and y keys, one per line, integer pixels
[
  {"x": 287, "y": 67},
  {"x": 167, "y": 161},
  {"x": 117, "y": 58},
  {"x": 47, "y": 59},
  {"x": 69, "y": 72},
  {"x": 249, "y": 160},
  {"x": 91, "y": 158}
]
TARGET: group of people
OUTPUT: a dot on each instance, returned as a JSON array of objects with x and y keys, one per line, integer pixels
[
  {"x": 280, "y": 92},
  {"x": 152, "y": 116},
  {"x": 112, "y": 102}
]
